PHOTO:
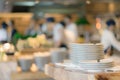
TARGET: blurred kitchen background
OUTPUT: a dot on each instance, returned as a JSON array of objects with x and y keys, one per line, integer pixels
[
  {"x": 31, "y": 30},
  {"x": 83, "y": 12}
]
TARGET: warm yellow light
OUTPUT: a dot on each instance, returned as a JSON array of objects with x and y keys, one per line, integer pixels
[
  {"x": 37, "y": 1},
  {"x": 88, "y": 1},
  {"x": 98, "y": 25},
  {"x": 6, "y": 46},
  {"x": 111, "y": 7},
  {"x": 1, "y": 49}
]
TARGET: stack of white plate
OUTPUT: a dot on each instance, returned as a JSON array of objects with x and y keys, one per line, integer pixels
[
  {"x": 94, "y": 65},
  {"x": 58, "y": 55},
  {"x": 80, "y": 52},
  {"x": 41, "y": 59},
  {"x": 25, "y": 62}
]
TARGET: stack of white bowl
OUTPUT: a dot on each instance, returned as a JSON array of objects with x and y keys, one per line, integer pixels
[
  {"x": 80, "y": 52},
  {"x": 25, "y": 62},
  {"x": 41, "y": 59},
  {"x": 58, "y": 55}
]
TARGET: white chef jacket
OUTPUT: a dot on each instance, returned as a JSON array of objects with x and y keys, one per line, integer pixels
[
  {"x": 71, "y": 33},
  {"x": 44, "y": 28},
  {"x": 3, "y": 35},
  {"x": 108, "y": 39},
  {"x": 58, "y": 33}
]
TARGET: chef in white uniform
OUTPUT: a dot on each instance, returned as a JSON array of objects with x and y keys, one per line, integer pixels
[
  {"x": 58, "y": 32},
  {"x": 108, "y": 38},
  {"x": 3, "y": 34},
  {"x": 71, "y": 30},
  {"x": 58, "y": 35}
]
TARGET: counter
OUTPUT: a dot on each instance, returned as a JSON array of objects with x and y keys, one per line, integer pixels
[
  {"x": 30, "y": 76},
  {"x": 59, "y": 73}
]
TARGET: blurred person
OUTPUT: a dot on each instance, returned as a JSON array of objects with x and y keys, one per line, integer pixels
[
  {"x": 71, "y": 30},
  {"x": 43, "y": 25},
  {"x": 4, "y": 25},
  {"x": 30, "y": 27},
  {"x": 31, "y": 30},
  {"x": 35, "y": 28},
  {"x": 63, "y": 24},
  {"x": 108, "y": 38},
  {"x": 11, "y": 30},
  {"x": 47, "y": 28},
  {"x": 58, "y": 32},
  {"x": 3, "y": 34}
]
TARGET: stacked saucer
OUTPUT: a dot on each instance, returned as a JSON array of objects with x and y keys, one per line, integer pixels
[
  {"x": 90, "y": 57},
  {"x": 80, "y": 52},
  {"x": 41, "y": 59},
  {"x": 94, "y": 65}
]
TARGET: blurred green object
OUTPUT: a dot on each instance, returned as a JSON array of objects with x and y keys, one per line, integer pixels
[
  {"x": 82, "y": 21},
  {"x": 18, "y": 36}
]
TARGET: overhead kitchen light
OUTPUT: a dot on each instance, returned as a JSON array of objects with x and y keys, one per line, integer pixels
[
  {"x": 6, "y": 2},
  {"x": 88, "y": 2},
  {"x": 25, "y": 3},
  {"x": 37, "y": 1}
]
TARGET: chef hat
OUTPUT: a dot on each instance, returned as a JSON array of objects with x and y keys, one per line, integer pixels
[
  {"x": 4, "y": 25},
  {"x": 110, "y": 22},
  {"x": 50, "y": 19}
]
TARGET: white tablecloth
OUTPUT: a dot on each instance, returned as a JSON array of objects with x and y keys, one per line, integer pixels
[{"x": 6, "y": 68}]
